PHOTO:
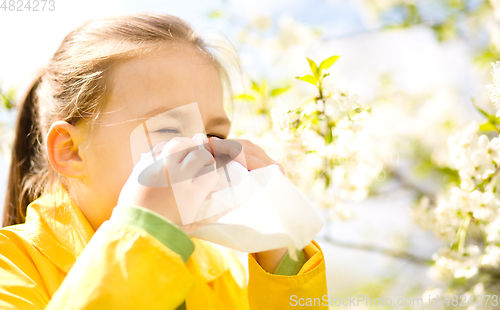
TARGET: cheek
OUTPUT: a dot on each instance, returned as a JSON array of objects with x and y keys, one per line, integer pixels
[{"x": 110, "y": 162}]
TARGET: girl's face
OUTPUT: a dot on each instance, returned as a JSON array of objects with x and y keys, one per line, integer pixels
[{"x": 141, "y": 88}]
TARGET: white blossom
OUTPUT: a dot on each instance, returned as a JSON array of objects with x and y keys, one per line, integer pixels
[
  {"x": 494, "y": 88},
  {"x": 491, "y": 256},
  {"x": 494, "y": 149},
  {"x": 472, "y": 155},
  {"x": 281, "y": 121},
  {"x": 261, "y": 22},
  {"x": 492, "y": 230},
  {"x": 292, "y": 33},
  {"x": 495, "y": 4},
  {"x": 338, "y": 95}
]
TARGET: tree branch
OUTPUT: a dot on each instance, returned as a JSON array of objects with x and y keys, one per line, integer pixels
[
  {"x": 410, "y": 185},
  {"x": 372, "y": 248}
]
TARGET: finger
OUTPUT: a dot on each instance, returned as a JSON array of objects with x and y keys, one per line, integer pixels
[
  {"x": 280, "y": 166},
  {"x": 153, "y": 153},
  {"x": 144, "y": 161},
  {"x": 239, "y": 157},
  {"x": 250, "y": 162},
  {"x": 177, "y": 149},
  {"x": 247, "y": 158},
  {"x": 150, "y": 173},
  {"x": 250, "y": 151},
  {"x": 222, "y": 146},
  {"x": 253, "y": 149},
  {"x": 195, "y": 161},
  {"x": 247, "y": 144},
  {"x": 254, "y": 163},
  {"x": 200, "y": 138}
]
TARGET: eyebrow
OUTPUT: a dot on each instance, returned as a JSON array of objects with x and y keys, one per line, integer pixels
[{"x": 161, "y": 110}]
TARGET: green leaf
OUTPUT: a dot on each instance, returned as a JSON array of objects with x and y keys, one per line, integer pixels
[
  {"x": 278, "y": 91},
  {"x": 214, "y": 14},
  {"x": 479, "y": 109},
  {"x": 301, "y": 127},
  {"x": 492, "y": 119},
  {"x": 308, "y": 78},
  {"x": 327, "y": 63},
  {"x": 488, "y": 126},
  {"x": 329, "y": 137},
  {"x": 245, "y": 97},
  {"x": 255, "y": 87},
  {"x": 314, "y": 68},
  {"x": 452, "y": 173},
  {"x": 6, "y": 99},
  {"x": 263, "y": 88}
]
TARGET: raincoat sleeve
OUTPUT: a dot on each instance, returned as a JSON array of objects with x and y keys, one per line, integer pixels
[
  {"x": 290, "y": 267},
  {"x": 135, "y": 260},
  {"x": 287, "y": 289}
]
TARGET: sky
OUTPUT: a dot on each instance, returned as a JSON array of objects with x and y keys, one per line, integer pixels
[{"x": 30, "y": 38}]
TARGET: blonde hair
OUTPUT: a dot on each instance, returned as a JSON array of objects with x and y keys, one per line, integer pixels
[{"x": 74, "y": 85}]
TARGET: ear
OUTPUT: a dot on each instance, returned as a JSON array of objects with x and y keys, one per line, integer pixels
[{"x": 62, "y": 142}]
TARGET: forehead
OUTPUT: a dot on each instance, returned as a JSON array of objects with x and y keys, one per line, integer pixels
[{"x": 172, "y": 77}]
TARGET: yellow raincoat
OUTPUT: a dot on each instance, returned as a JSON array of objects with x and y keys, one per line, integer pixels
[{"x": 55, "y": 260}]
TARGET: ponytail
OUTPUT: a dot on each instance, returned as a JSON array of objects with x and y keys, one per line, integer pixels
[{"x": 23, "y": 160}]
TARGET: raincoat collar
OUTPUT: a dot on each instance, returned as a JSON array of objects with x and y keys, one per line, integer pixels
[{"x": 58, "y": 228}]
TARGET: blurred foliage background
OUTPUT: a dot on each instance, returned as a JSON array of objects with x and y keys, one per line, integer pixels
[{"x": 378, "y": 111}]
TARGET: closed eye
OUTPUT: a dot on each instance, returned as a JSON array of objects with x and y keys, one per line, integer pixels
[
  {"x": 167, "y": 130},
  {"x": 175, "y": 131}
]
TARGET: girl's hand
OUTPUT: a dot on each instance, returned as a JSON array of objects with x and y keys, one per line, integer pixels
[
  {"x": 182, "y": 161},
  {"x": 254, "y": 157}
]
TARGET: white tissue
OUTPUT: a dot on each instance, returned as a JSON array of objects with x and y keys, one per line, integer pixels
[
  {"x": 258, "y": 210},
  {"x": 273, "y": 214}
]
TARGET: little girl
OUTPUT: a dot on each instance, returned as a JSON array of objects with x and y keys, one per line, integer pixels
[{"x": 77, "y": 234}]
